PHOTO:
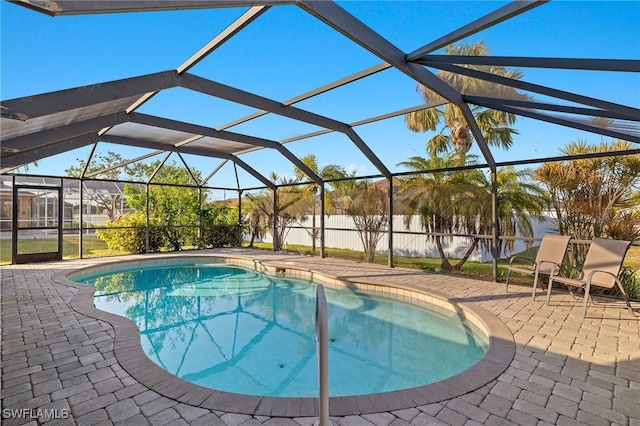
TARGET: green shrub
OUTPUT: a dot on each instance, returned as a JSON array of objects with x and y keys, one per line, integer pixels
[
  {"x": 219, "y": 226},
  {"x": 128, "y": 234},
  {"x": 174, "y": 238},
  {"x": 220, "y": 235}
]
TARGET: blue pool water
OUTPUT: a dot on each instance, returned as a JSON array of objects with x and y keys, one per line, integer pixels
[{"x": 236, "y": 330}]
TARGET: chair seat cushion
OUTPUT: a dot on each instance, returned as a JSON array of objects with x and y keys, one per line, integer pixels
[
  {"x": 522, "y": 270},
  {"x": 545, "y": 269},
  {"x": 570, "y": 281}
]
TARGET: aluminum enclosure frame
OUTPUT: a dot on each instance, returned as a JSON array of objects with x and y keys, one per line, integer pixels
[{"x": 32, "y": 130}]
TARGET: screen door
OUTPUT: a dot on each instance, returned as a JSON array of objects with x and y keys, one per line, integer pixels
[{"x": 37, "y": 224}]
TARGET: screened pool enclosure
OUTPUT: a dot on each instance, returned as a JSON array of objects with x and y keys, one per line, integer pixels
[{"x": 305, "y": 123}]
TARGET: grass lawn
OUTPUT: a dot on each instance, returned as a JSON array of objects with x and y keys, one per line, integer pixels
[
  {"x": 472, "y": 269},
  {"x": 95, "y": 247},
  {"x": 91, "y": 246},
  {"x": 428, "y": 264},
  {"x": 632, "y": 259}
]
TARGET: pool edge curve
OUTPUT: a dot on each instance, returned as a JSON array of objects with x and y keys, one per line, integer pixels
[{"x": 130, "y": 355}]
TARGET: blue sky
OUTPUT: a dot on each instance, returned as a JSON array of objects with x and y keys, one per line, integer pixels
[{"x": 286, "y": 52}]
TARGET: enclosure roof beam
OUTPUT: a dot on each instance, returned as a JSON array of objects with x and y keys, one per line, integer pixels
[
  {"x": 593, "y": 112},
  {"x": 84, "y": 96},
  {"x": 186, "y": 166},
  {"x": 188, "y": 150},
  {"x": 345, "y": 23},
  {"x": 54, "y": 102},
  {"x": 222, "y": 91},
  {"x": 322, "y": 89},
  {"x": 564, "y": 158},
  {"x": 225, "y": 35},
  {"x": 403, "y": 111},
  {"x": 339, "y": 19},
  {"x": 216, "y": 170},
  {"x": 565, "y": 122},
  {"x": 369, "y": 120},
  {"x": 60, "y": 134},
  {"x": 223, "y": 134},
  {"x": 622, "y": 65},
  {"x": 86, "y": 164},
  {"x": 8, "y": 163},
  {"x": 362, "y": 146},
  {"x": 506, "y": 12},
  {"x": 158, "y": 167},
  {"x": 84, "y": 7},
  {"x": 622, "y": 110},
  {"x": 234, "y": 28},
  {"x": 124, "y": 163}
]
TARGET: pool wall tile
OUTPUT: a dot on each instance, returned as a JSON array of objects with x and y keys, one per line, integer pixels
[
  {"x": 294, "y": 407},
  {"x": 265, "y": 407},
  {"x": 308, "y": 407},
  {"x": 195, "y": 396},
  {"x": 279, "y": 407},
  {"x": 343, "y": 406}
]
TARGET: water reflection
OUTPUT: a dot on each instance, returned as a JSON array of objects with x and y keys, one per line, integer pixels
[{"x": 233, "y": 329}]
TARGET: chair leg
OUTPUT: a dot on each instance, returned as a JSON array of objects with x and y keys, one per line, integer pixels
[
  {"x": 506, "y": 286},
  {"x": 587, "y": 287},
  {"x": 624, "y": 295},
  {"x": 549, "y": 289},
  {"x": 571, "y": 292},
  {"x": 535, "y": 285}
]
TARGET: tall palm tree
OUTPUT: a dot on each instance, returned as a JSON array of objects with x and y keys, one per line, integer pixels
[{"x": 493, "y": 124}]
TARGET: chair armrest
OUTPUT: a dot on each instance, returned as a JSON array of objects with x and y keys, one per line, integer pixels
[
  {"x": 555, "y": 270},
  {"x": 533, "y": 263}
]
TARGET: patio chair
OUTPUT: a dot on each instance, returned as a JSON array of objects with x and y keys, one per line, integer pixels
[
  {"x": 601, "y": 267},
  {"x": 548, "y": 260}
]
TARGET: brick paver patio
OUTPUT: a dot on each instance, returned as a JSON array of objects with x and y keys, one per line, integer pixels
[{"x": 59, "y": 365}]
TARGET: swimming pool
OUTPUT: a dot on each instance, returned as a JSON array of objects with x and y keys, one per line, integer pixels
[{"x": 239, "y": 331}]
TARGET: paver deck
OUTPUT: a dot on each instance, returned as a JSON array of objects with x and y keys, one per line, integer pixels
[{"x": 59, "y": 365}]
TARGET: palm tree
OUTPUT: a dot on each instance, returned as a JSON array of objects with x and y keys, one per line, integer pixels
[
  {"x": 452, "y": 200},
  {"x": 435, "y": 196},
  {"x": 256, "y": 211},
  {"x": 291, "y": 206},
  {"x": 519, "y": 201},
  {"x": 587, "y": 194},
  {"x": 329, "y": 171},
  {"x": 493, "y": 124}
]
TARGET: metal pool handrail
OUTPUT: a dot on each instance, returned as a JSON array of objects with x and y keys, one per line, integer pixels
[{"x": 322, "y": 353}]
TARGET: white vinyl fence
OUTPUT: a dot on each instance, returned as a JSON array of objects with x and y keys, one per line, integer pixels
[{"x": 410, "y": 242}]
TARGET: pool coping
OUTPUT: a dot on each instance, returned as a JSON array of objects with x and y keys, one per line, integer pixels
[{"x": 129, "y": 353}]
